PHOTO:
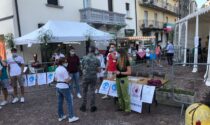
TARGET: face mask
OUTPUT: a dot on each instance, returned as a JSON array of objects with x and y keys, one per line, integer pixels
[
  {"x": 72, "y": 52},
  {"x": 111, "y": 50},
  {"x": 96, "y": 52},
  {"x": 14, "y": 54}
]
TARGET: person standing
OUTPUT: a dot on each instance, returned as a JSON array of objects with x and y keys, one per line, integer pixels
[
  {"x": 0, "y": 76},
  {"x": 4, "y": 81},
  {"x": 73, "y": 68},
  {"x": 100, "y": 75},
  {"x": 122, "y": 73},
  {"x": 158, "y": 54},
  {"x": 170, "y": 53},
  {"x": 111, "y": 63},
  {"x": 64, "y": 91},
  {"x": 16, "y": 66},
  {"x": 90, "y": 67}
]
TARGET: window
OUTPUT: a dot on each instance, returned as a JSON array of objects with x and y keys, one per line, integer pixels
[
  {"x": 86, "y": 3},
  {"x": 156, "y": 19},
  {"x": 52, "y": 2},
  {"x": 146, "y": 18},
  {"x": 110, "y": 5},
  {"x": 127, "y": 7}
]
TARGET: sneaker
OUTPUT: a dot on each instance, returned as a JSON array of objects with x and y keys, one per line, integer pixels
[
  {"x": 105, "y": 97},
  {"x": 62, "y": 118},
  {"x": 73, "y": 119},
  {"x": 3, "y": 103},
  {"x": 22, "y": 99},
  {"x": 83, "y": 108},
  {"x": 79, "y": 96},
  {"x": 93, "y": 109},
  {"x": 15, "y": 100}
]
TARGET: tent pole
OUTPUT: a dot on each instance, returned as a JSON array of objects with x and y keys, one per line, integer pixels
[
  {"x": 196, "y": 43},
  {"x": 185, "y": 47},
  {"x": 179, "y": 53},
  {"x": 207, "y": 74}
]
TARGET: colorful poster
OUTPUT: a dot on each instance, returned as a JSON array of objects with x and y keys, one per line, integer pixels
[
  {"x": 25, "y": 80},
  {"x": 147, "y": 94},
  {"x": 50, "y": 77},
  {"x": 135, "y": 92},
  {"x": 31, "y": 79},
  {"x": 104, "y": 89},
  {"x": 136, "y": 106},
  {"x": 113, "y": 89},
  {"x": 42, "y": 78}
]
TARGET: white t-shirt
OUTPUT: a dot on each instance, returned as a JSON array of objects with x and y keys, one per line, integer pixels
[
  {"x": 101, "y": 59},
  {"x": 61, "y": 75},
  {"x": 147, "y": 52},
  {"x": 15, "y": 69},
  {"x": 58, "y": 56}
]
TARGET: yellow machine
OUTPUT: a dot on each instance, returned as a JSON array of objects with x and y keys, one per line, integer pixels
[{"x": 197, "y": 112}]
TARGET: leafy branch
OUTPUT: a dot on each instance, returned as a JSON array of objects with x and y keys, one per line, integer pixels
[
  {"x": 45, "y": 36},
  {"x": 9, "y": 39}
]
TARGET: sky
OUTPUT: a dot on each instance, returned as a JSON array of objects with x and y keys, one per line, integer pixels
[{"x": 200, "y": 2}]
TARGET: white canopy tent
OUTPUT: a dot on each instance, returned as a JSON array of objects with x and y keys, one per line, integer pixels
[
  {"x": 64, "y": 31},
  {"x": 188, "y": 31}
]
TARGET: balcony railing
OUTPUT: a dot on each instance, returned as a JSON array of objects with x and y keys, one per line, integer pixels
[
  {"x": 153, "y": 24},
  {"x": 161, "y": 4},
  {"x": 91, "y": 15}
]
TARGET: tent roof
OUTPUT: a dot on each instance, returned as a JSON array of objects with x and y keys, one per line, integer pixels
[
  {"x": 64, "y": 31},
  {"x": 193, "y": 15}
]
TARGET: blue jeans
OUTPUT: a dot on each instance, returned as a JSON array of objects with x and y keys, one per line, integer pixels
[
  {"x": 64, "y": 93},
  {"x": 75, "y": 80}
]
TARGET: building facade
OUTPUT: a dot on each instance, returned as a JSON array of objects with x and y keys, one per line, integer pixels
[
  {"x": 20, "y": 17},
  {"x": 157, "y": 18}
]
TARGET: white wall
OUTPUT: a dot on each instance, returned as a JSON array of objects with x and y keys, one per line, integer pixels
[{"x": 33, "y": 12}]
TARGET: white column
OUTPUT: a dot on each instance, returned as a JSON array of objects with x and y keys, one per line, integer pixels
[
  {"x": 186, "y": 41},
  {"x": 196, "y": 43},
  {"x": 207, "y": 67},
  {"x": 179, "y": 41}
]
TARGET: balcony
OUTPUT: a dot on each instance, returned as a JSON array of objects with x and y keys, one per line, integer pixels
[
  {"x": 160, "y": 5},
  {"x": 150, "y": 24},
  {"x": 96, "y": 16}
]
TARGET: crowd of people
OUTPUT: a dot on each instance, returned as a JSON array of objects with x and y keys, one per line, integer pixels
[{"x": 67, "y": 75}]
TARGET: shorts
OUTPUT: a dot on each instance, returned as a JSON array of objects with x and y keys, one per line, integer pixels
[
  {"x": 15, "y": 79},
  {"x": 4, "y": 83},
  {"x": 158, "y": 56}
]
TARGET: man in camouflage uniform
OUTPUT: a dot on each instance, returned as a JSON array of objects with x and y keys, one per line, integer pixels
[{"x": 90, "y": 67}]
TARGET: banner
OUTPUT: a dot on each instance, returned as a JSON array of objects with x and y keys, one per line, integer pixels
[
  {"x": 104, "y": 89},
  {"x": 50, "y": 77},
  {"x": 113, "y": 89},
  {"x": 147, "y": 94},
  {"x": 41, "y": 78},
  {"x": 31, "y": 79}
]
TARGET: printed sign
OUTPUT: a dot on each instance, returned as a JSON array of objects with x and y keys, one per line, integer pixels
[
  {"x": 113, "y": 89},
  {"x": 147, "y": 94},
  {"x": 104, "y": 89},
  {"x": 136, "y": 106},
  {"x": 135, "y": 92},
  {"x": 31, "y": 79},
  {"x": 50, "y": 77},
  {"x": 41, "y": 78}
]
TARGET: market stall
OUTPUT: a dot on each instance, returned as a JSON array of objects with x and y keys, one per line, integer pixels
[{"x": 141, "y": 90}]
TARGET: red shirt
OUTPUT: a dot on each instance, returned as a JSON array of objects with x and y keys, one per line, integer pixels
[
  {"x": 111, "y": 62},
  {"x": 73, "y": 64}
]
